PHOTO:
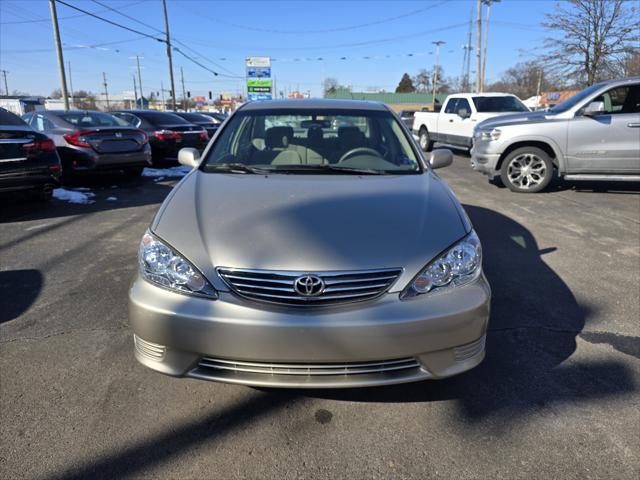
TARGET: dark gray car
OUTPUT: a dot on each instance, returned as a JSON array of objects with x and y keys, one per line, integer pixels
[{"x": 90, "y": 141}]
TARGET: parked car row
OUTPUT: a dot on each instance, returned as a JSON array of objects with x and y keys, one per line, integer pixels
[
  {"x": 594, "y": 135},
  {"x": 38, "y": 148}
]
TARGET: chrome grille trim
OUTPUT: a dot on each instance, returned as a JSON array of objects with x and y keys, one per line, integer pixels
[
  {"x": 311, "y": 369},
  {"x": 277, "y": 286}
]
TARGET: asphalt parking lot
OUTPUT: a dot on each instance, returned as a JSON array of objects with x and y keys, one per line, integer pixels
[{"x": 556, "y": 397}]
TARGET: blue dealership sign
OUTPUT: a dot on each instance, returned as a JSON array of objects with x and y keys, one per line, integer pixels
[
  {"x": 260, "y": 96},
  {"x": 259, "y": 72}
]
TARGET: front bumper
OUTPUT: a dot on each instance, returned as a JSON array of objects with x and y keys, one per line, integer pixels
[
  {"x": 442, "y": 333},
  {"x": 485, "y": 158}
]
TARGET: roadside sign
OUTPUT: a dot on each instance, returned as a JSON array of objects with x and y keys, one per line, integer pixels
[{"x": 258, "y": 74}]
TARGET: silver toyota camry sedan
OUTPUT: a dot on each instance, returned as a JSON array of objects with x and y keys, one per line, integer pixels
[{"x": 312, "y": 245}]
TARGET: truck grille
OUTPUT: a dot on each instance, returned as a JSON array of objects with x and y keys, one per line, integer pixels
[
  {"x": 275, "y": 286},
  {"x": 308, "y": 369}
]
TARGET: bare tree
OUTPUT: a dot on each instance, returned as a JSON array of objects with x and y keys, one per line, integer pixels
[
  {"x": 591, "y": 38},
  {"x": 522, "y": 80},
  {"x": 330, "y": 85},
  {"x": 422, "y": 81}
]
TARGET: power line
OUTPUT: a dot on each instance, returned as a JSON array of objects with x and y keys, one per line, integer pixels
[
  {"x": 330, "y": 30},
  {"x": 68, "y": 17},
  {"x": 109, "y": 21},
  {"x": 128, "y": 16}
]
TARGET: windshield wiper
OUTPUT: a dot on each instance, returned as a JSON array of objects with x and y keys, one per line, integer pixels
[
  {"x": 328, "y": 169},
  {"x": 234, "y": 168}
]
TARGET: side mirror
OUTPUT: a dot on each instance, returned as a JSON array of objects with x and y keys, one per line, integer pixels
[
  {"x": 440, "y": 158},
  {"x": 464, "y": 113},
  {"x": 594, "y": 108},
  {"x": 189, "y": 157}
]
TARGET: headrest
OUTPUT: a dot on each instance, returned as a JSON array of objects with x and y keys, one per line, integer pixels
[
  {"x": 349, "y": 134},
  {"x": 315, "y": 135},
  {"x": 278, "y": 137}
]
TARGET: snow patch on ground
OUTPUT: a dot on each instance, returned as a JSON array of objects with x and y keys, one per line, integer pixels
[
  {"x": 112, "y": 199},
  {"x": 74, "y": 196},
  {"x": 166, "y": 172}
]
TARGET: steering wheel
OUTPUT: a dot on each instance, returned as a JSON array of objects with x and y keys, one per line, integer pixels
[{"x": 356, "y": 150}]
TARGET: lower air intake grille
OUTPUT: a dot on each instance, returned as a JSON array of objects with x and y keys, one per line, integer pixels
[
  {"x": 309, "y": 369},
  {"x": 309, "y": 289},
  {"x": 148, "y": 349},
  {"x": 469, "y": 350}
]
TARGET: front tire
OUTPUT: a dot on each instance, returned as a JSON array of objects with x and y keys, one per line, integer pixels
[
  {"x": 424, "y": 140},
  {"x": 527, "y": 170}
]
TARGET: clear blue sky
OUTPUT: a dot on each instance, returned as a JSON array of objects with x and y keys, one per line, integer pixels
[{"x": 396, "y": 36}]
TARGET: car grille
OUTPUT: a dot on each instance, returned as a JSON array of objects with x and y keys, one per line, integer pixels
[
  {"x": 276, "y": 286},
  {"x": 149, "y": 349},
  {"x": 308, "y": 369}
]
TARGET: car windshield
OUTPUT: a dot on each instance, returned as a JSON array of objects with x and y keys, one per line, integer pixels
[
  {"x": 313, "y": 141},
  {"x": 499, "y": 104},
  {"x": 92, "y": 119},
  {"x": 577, "y": 98},
  {"x": 163, "y": 118},
  {"x": 196, "y": 118},
  {"x": 8, "y": 118}
]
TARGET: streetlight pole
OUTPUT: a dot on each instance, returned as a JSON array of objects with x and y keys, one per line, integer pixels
[
  {"x": 140, "y": 83},
  {"x": 106, "y": 92},
  {"x": 479, "y": 49},
  {"x": 73, "y": 103},
  {"x": 56, "y": 37},
  {"x": 435, "y": 73},
  {"x": 6, "y": 87},
  {"x": 486, "y": 40},
  {"x": 135, "y": 91},
  {"x": 184, "y": 94},
  {"x": 168, "y": 41}
]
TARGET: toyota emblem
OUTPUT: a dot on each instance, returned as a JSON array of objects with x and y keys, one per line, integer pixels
[{"x": 308, "y": 285}]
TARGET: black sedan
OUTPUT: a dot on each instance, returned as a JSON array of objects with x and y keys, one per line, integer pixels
[
  {"x": 90, "y": 141},
  {"x": 28, "y": 159},
  {"x": 167, "y": 132},
  {"x": 208, "y": 123}
]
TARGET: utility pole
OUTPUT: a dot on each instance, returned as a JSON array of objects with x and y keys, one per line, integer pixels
[
  {"x": 140, "y": 83},
  {"x": 73, "y": 103},
  {"x": 486, "y": 39},
  {"x": 164, "y": 105},
  {"x": 184, "y": 94},
  {"x": 56, "y": 37},
  {"x": 6, "y": 88},
  {"x": 538, "y": 89},
  {"x": 166, "y": 29},
  {"x": 435, "y": 73},
  {"x": 135, "y": 91},
  {"x": 479, "y": 48},
  {"x": 466, "y": 62},
  {"x": 106, "y": 92}
]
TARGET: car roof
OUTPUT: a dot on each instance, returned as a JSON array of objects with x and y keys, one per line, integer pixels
[{"x": 313, "y": 103}]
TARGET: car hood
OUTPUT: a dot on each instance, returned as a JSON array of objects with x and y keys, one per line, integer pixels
[
  {"x": 517, "y": 119},
  {"x": 310, "y": 223}
]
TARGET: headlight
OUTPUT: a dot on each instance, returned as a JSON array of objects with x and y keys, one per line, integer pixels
[
  {"x": 163, "y": 266},
  {"x": 493, "y": 134},
  {"x": 460, "y": 264}
]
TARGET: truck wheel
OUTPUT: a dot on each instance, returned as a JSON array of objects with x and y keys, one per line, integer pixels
[
  {"x": 423, "y": 139},
  {"x": 527, "y": 170}
]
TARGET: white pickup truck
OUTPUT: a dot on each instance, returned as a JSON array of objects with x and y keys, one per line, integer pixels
[{"x": 460, "y": 113}]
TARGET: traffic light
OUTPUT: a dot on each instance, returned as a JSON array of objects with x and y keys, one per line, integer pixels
[
  {"x": 188, "y": 94},
  {"x": 210, "y": 97}
]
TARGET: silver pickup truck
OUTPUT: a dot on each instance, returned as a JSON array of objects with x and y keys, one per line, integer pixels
[{"x": 594, "y": 135}]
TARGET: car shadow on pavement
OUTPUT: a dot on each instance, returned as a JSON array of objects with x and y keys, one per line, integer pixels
[
  {"x": 534, "y": 323},
  {"x": 19, "y": 289},
  {"x": 108, "y": 191}
]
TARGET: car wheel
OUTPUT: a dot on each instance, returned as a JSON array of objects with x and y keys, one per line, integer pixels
[
  {"x": 43, "y": 194},
  {"x": 134, "y": 172},
  {"x": 423, "y": 139},
  {"x": 527, "y": 170}
]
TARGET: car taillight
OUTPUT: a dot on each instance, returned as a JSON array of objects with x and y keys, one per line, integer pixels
[
  {"x": 55, "y": 168},
  {"x": 77, "y": 138},
  {"x": 145, "y": 137},
  {"x": 167, "y": 135},
  {"x": 45, "y": 145},
  {"x": 203, "y": 135}
]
